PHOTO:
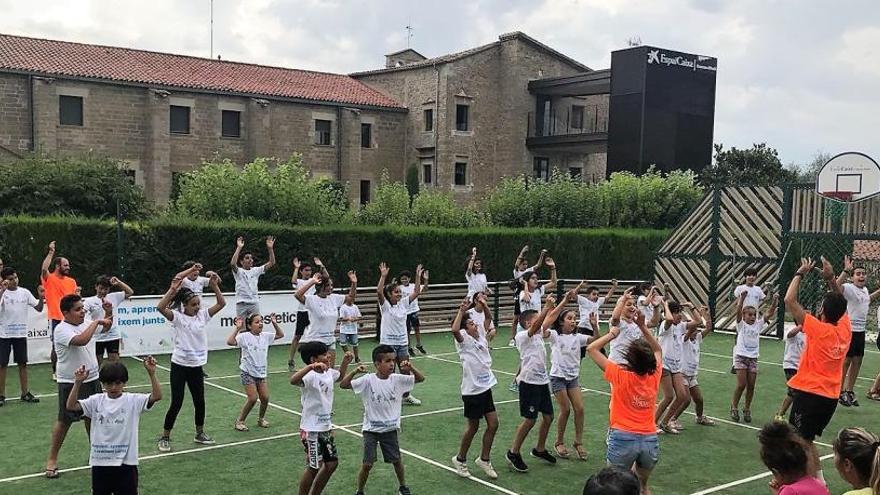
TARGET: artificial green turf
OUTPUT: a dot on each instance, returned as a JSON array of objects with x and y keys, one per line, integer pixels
[{"x": 700, "y": 458}]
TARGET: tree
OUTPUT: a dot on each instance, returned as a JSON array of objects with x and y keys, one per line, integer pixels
[
  {"x": 412, "y": 182},
  {"x": 759, "y": 165}
]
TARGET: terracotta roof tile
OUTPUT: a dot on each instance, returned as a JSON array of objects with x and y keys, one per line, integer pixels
[{"x": 60, "y": 58}]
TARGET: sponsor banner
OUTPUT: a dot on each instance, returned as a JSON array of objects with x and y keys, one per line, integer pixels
[
  {"x": 145, "y": 331},
  {"x": 684, "y": 60}
]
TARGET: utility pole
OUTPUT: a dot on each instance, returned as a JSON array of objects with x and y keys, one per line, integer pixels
[{"x": 409, "y": 35}]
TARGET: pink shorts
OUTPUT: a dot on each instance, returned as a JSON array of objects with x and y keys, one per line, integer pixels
[{"x": 745, "y": 363}]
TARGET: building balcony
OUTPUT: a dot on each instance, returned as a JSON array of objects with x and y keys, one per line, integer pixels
[{"x": 584, "y": 132}]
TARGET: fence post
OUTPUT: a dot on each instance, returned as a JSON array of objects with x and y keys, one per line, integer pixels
[
  {"x": 560, "y": 290},
  {"x": 784, "y": 279},
  {"x": 497, "y": 302},
  {"x": 714, "y": 255}
]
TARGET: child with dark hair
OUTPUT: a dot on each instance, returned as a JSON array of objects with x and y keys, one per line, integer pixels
[
  {"x": 632, "y": 435},
  {"x": 192, "y": 279},
  {"x": 349, "y": 322},
  {"x": 114, "y": 433},
  {"x": 110, "y": 340},
  {"x": 521, "y": 266},
  {"x": 857, "y": 459},
  {"x": 183, "y": 308},
  {"x": 588, "y": 306},
  {"x": 475, "y": 276},
  {"x": 675, "y": 391},
  {"x": 612, "y": 480},
  {"x": 302, "y": 272},
  {"x": 412, "y": 314},
  {"x": 649, "y": 302},
  {"x": 794, "y": 347},
  {"x": 858, "y": 302},
  {"x": 248, "y": 336},
  {"x": 323, "y": 307},
  {"x": 14, "y": 304},
  {"x": 623, "y": 317},
  {"x": 247, "y": 276},
  {"x": 393, "y": 307},
  {"x": 690, "y": 367},
  {"x": 381, "y": 393},
  {"x": 746, "y": 352},
  {"x": 315, "y": 426},
  {"x": 530, "y": 298},
  {"x": 784, "y": 452}
]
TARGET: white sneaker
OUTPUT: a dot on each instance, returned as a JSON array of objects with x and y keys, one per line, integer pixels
[
  {"x": 512, "y": 343},
  {"x": 461, "y": 468},
  {"x": 675, "y": 424},
  {"x": 487, "y": 468},
  {"x": 411, "y": 401}
]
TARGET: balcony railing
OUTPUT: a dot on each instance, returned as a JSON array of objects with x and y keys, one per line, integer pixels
[{"x": 594, "y": 120}]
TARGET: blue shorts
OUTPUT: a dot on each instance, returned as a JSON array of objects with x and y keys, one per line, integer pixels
[
  {"x": 348, "y": 339},
  {"x": 401, "y": 352},
  {"x": 557, "y": 384},
  {"x": 625, "y": 448}
]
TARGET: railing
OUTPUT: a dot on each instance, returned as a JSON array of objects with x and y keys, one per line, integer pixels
[{"x": 595, "y": 120}]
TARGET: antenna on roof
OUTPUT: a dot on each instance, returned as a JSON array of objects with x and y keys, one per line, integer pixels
[
  {"x": 212, "y": 29},
  {"x": 409, "y": 35}
]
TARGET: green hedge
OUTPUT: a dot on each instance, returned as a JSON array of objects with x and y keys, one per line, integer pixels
[{"x": 154, "y": 250}]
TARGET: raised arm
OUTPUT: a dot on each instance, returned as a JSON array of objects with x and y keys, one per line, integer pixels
[
  {"x": 794, "y": 331},
  {"x": 739, "y": 306},
  {"x": 295, "y": 276},
  {"x": 345, "y": 383},
  {"x": 611, "y": 290},
  {"x": 667, "y": 314},
  {"x": 521, "y": 256},
  {"x": 233, "y": 263},
  {"x": 407, "y": 367},
  {"x": 549, "y": 304},
  {"x": 279, "y": 333},
  {"x": 594, "y": 348},
  {"x": 827, "y": 274},
  {"x": 297, "y": 377},
  {"x": 487, "y": 321},
  {"x": 552, "y": 266},
  {"x": 792, "y": 305},
  {"x": 186, "y": 273},
  {"x": 155, "y": 387},
  {"x": 541, "y": 258},
  {"x": 300, "y": 294},
  {"x": 649, "y": 336},
  {"x": 47, "y": 261},
  {"x": 771, "y": 310},
  {"x": 696, "y": 320},
  {"x": 236, "y": 329},
  {"x": 847, "y": 270},
  {"x": 270, "y": 246},
  {"x": 456, "y": 322},
  {"x": 707, "y": 321},
  {"x": 79, "y": 375},
  {"x": 417, "y": 290},
  {"x": 353, "y": 287},
  {"x": 122, "y": 285},
  {"x": 321, "y": 268},
  {"x": 86, "y": 336},
  {"x": 424, "y": 285},
  {"x": 380, "y": 286},
  {"x": 163, "y": 303},
  {"x": 551, "y": 317},
  {"x": 619, "y": 307},
  {"x": 219, "y": 302}
]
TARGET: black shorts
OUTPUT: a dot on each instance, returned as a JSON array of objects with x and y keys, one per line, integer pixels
[
  {"x": 534, "y": 399},
  {"x": 86, "y": 390},
  {"x": 477, "y": 406},
  {"x": 412, "y": 321},
  {"x": 811, "y": 413},
  {"x": 387, "y": 441},
  {"x": 856, "y": 345},
  {"x": 111, "y": 346},
  {"x": 789, "y": 373},
  {"x": 17, "y": 346},
  {"x": 302, "y": 321},
  {"x": 118, "y": 480},
  {"x": 516, "y": 310},
  {"x": 588, "y": 331}
]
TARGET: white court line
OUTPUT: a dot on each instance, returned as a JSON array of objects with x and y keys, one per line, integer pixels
[
  {"x": 55, "y": 394},
  {"x": 429, "y": 413},
  {"x": 767, "y": 362},
  {"x": 746, "y": 480},
  {"x": 358, "y": 434}
]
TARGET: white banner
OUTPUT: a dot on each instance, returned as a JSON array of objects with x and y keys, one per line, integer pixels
[{"x": 145, "y": 331}]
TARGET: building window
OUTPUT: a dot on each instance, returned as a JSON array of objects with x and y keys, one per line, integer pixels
[
  {"x": 322, "y": 132},
  {"x": 365, "y": 192},
  {"x": 461, "y": 118},
  {"x": 460, "y": 174},
  {"x": 576, "y": 172},
  {"x": 179, "y": 120},
  {"x": 231, "y": 124},
  {"x": 429, "y": 119},
  {"x": 366, "y": 135},
  {"x": 542, "y": 168},
  {"x": 577, "y": 117},
  {"x": 130, "y": 175},
  {"x": 70, "y": 110},
  {"x": 427, "y": 173}
]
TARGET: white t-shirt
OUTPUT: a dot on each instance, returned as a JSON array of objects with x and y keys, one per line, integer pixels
[
  {"x": 198, "y": 285},
  {"x": 298, "y": 306},
  {"x": 405, "y": 292},
  {"x": 534, "y": 301},
  {"x": 323, "y": 314},
  {"x": 857, "y": 303},
  {"x": 646, "y": 308},
  {"x": 246, "y": 282},
  {"x": 476, "y": 283},
  {"x": 95, "y": 311},
  {"x": 346, "y": 311},
  {"x": 587, "y": 309},
  {"x": 317, "y": 400},
  {"x": 476, "y": 364},
  {"x": 533, "y": 358},
  {"x": 565, "y": 354},
  {"x": 748, "y": 338},
  {"x": 629, "y": 333},
  {"x": 690, "y": 355},
  {"x": 114, "y": 433},
  {"x": 754, "y": 295},
  {"x": 71, "y": 357},
  {"x": 14, "y": 312},
  {"x": 479, "y": 319},
  {"x": 254, "y": 352},
  {"x": 794, "y": 346},
  {"x": 393, "y": 327},
  {"x": 382, "y": 400},
  {"x": 671, "y": 337},
  {"x": 190, "y": 338}
]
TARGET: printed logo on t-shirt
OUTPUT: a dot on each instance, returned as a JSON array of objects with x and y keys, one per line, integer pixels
[{"x": 640, "y": 402}]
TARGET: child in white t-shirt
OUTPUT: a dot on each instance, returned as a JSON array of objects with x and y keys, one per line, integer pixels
[
  {"x": 565, "y": 370},
  {"x": 690, "y": 367},
  {"x": 475, "y": 276},
  {"x": 111, "y": 340},
  {"x": 381, "y": 393},
  {"x": 413, "y": 325},
  {"x": 247, "y": 277},
  {"x": 649, "y": 304},
  {"x": 14, "y": 304},
  {"x": 192, "y": 278},
  {"x": 248, "y": 336},
  {"x": 588, "y": 307},
  {"x": 315, "y": 425},
  {"x": 393, "y": 307},
  {"x": 323, "y": 307},
  {"x": 477, "y": 380},
  {"x": 795, "y": 340},
  {"x": 530, "y": 298},
  {"x": 115, "y": 416},
  {"x": 624, "y": 318},
  {"x": 520, "y": 267},
  {"x": 754, "y": 297},
  {"x": 748, "y": 340},
  {"x": 675, "y": 390},
  {"x": 349, "y": 322}
]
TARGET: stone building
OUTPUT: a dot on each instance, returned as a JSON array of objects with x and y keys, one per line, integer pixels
[{"x": 464, "y": 119}]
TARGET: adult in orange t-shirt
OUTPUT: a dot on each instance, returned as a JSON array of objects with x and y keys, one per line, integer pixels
[
  {"x": 632, "y": 433},
  {"x": 817, "y": 382},
  {"x": 56, "y": 284}
]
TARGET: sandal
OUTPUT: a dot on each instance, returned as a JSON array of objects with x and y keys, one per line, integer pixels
[
  {"x": 560, "y": 449},
  {"x": 581, "y": 453},
  {"x": 873, "y": 395},
  {"x": 52, "y": 473}
]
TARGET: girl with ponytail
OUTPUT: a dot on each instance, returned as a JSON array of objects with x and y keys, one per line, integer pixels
[{"x": 857, "y": 459}]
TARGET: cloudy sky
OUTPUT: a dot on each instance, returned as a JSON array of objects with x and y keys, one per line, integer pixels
[{"x": 802, "y": 75}]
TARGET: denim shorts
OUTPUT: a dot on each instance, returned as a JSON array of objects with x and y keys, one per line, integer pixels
[
  {"x": 401, "y": 352},
  {"x": 248, "y": 379},
  {"x": 348, "y": 339},
  {"x": 558, "y": 384},
  {"x": 625, "y": 448}
]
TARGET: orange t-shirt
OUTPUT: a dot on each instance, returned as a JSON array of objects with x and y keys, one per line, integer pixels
[
  {"x": 822, "y": 359},
  {"x": 633, "y": 399},
  {"x": 57, "y": 287}
]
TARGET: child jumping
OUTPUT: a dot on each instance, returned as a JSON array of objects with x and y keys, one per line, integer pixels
[
  {"x": 350, "y": 317},
  {"x": 690, "y": 368},
  {"x": 588, "y": 306},
  {"x": 254, "y": 344},
  {"x": 393, "y": 308},
  {"x": 675, "y": 390},
  {"x": 748, "y": 340},
  {"x": 521, "y": 266},
  {"x": 412, "y": 315}
]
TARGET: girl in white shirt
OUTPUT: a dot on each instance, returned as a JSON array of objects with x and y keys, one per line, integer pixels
[
  {"x": 521, "y": 266},
  {"x": 475, "y": 277},
  {"x": 254, "y": 344},
  {"x": 183, "y": 308},
  {"x": 675, "y": 390},
  {"x": 393, "y": 308},
  {"x": 748, "y": 340},
  {"x": 323, "y": 307},
  {"x": 530, "y": 298}
]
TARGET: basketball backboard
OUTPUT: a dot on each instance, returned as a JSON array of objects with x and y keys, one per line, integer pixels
[{"x": 849, "y": 177}]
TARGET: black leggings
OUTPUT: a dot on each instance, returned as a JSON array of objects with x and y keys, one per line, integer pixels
[{"x": 195, "y": 380}]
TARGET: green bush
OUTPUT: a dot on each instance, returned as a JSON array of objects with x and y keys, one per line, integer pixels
[
  {"x": 434, "y": 208},
  {"x": 82, "y": 185},
  {"x": 154, "y": 250},
  {"x": 389, "y": 206}
]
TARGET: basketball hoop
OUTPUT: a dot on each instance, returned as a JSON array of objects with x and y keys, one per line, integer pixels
[{"x": 847, "y": 178}]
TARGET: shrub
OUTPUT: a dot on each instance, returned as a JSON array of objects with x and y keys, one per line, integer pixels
[
  {"x": 389, "y": 206},
  {"x": 434, "y": 208}
]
